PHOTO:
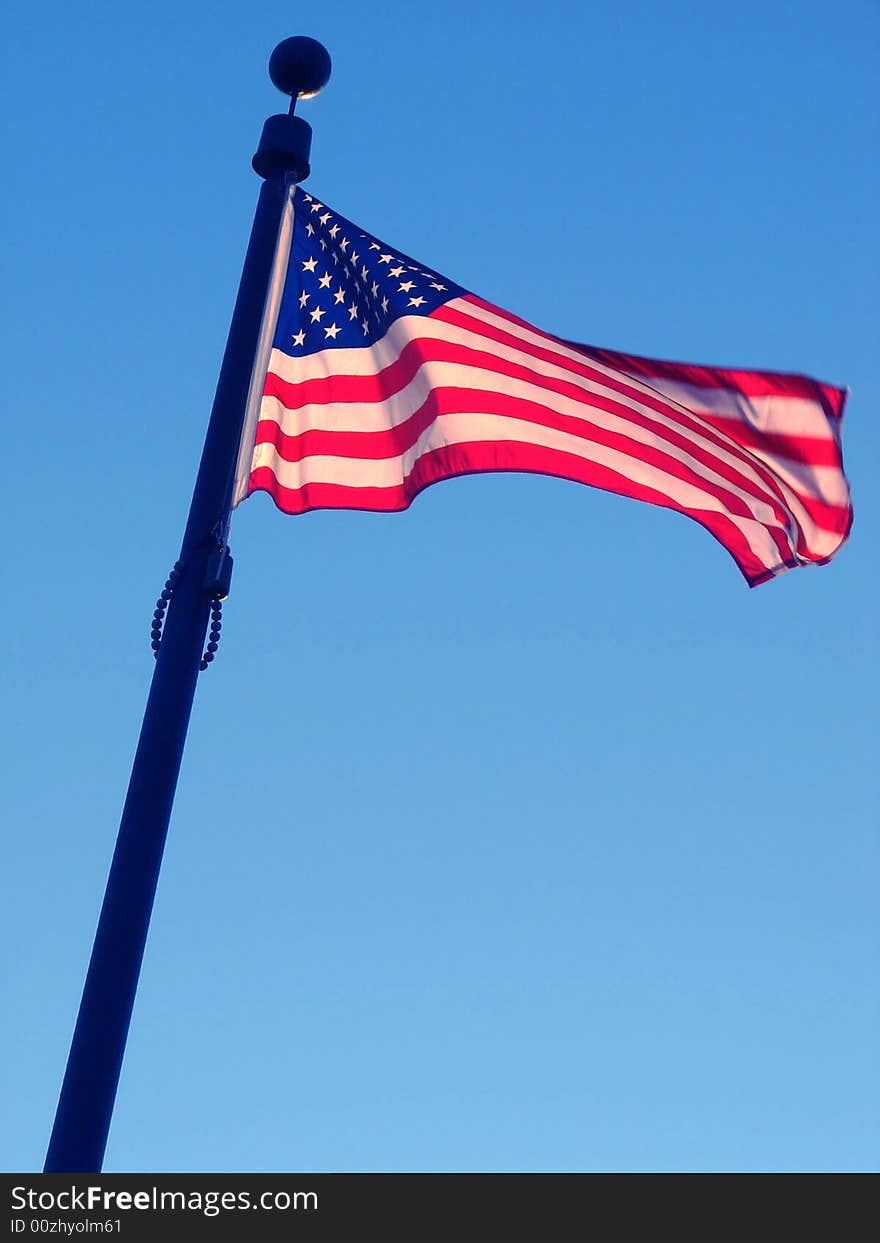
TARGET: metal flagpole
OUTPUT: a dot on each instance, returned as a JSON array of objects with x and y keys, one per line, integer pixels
[{"x": 299, "y": 67}]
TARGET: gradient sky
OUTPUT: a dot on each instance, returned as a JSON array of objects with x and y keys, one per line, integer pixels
[{"x": 514, "y": 832}]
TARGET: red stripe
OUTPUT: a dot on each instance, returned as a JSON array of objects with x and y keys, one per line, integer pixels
[
  {"x": 377, "y": 388},
  {"x": 828, "y": 516},
  {"x": 748, "y": 383},
  {"x": 479, "y": 457},
  {"x": 809, "y": 450},
  {"x": 450, "y": 401},
  {"x": 701, "y": 424}
]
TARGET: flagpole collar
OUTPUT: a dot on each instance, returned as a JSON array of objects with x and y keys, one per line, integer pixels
[{"x": 300, "y": 67}]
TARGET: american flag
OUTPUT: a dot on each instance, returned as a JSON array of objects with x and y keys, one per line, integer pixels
[{"x": 378, "y": 376}]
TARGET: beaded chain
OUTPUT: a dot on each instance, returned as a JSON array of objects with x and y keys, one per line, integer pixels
[
  {"x": 161, "y": 608},
  {"x": 214, "y": 637}
]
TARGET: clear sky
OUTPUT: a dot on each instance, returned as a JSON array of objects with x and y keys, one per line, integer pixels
[{"x": 514, "y": 832}]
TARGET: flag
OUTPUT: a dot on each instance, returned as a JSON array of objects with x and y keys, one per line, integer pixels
[{"x": 377, "y": 376}]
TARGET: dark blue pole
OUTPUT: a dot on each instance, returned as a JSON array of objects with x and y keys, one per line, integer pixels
[{"x": 300, "y": 67}]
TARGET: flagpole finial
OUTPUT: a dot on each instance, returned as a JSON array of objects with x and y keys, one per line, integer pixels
[{"x": 300, "y": 67}]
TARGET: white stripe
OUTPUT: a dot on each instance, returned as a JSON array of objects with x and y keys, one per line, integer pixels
[
  {"x": 825, "y": 483},
  {"x": 774, "y": 413},
  {"x": 821, "y": 483},
  {"x": 397, "y": 409},
  {"x": 354, "y": 416},
  {"x": 460, "y": 429},
  {"x": 382, "y": 416},
  {"x": 771, "y": 415},
  {"x": 777, "y": 412},
  {"x": 768, "y": 413},
  {"x": 358, "y": 361},
  {"x": 358, "y": 416},
  {"x": 534, "y": 336}
]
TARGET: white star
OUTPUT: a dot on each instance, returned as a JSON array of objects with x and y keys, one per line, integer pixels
[
  {"x": 343, "y": 245},
  {"x": 323, "y": 244},
  {"x": 364, "y": 272},
  {"x": 310, "y": 265},
  {"x": 353, "y": 311},
  {"x": 420, "y": 301},
  {"x": 334, "y": 231},
  {"x": 339, "y": 296},
  {"x": 300, "y": 337},
  {"x": 310, "y": 229},
  {"x": 308, "y": 198},
  {"x": 303, "y": 298},
  {"x": 324, "y": 282},
  {"x": 354, "y": 256},
  {"x": 405, "y": 286},
  {"x": 374, "y": 289},
  {"x": 395, "y": 272},
  {"x": 366, "y": 327},
  {"x": 325, "y": 217},
  {"x": 385, "y": 305},
  {"x": 332, "y": 331},
  {"x": 385, "y": 258},
  {"x": 375, "y": 246},
  {"x": 316, "y": 206},
  {"x": 316, "y": 315},
  {"x": 434, "y": 285}
]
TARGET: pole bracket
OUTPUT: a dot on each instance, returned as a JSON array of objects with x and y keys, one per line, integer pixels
[{"x": 218, "y": 572}]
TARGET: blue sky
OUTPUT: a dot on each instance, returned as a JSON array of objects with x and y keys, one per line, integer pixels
[{"x": 514, "y": 832}]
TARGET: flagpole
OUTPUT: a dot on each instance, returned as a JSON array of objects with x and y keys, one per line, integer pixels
[{"x": 299, "y": 67}]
